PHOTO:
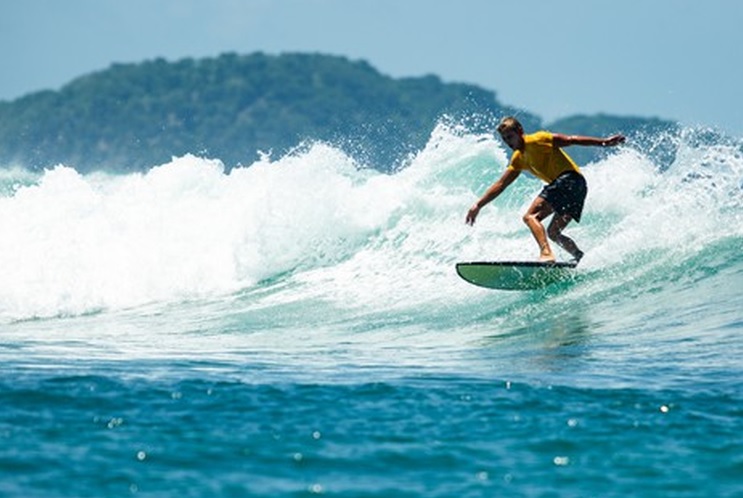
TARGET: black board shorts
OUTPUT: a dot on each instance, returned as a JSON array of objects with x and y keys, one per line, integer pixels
[{"x": 566, "y": 194}]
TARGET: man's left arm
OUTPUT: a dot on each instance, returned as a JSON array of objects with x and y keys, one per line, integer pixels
[{"x": 560, "y": 140}]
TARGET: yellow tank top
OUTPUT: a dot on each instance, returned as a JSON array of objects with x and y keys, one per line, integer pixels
[{"x": 540, "y": 158}]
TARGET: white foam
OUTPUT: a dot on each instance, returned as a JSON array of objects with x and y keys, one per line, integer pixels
[{"x": 185, "y": 230}]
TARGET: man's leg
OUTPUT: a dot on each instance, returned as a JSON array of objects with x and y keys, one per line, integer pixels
[
  {"x": 557, "y": 225},
  {"x": 538, "y": 211}
]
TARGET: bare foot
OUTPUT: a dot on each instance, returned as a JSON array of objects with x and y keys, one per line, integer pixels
[{"x": 547, "y": 258}]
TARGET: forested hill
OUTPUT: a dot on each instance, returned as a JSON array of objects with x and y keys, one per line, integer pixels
[{"x": 134, "y": 116}]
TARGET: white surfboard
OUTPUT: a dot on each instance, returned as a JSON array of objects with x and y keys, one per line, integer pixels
[{"x": 515, "y": 275}]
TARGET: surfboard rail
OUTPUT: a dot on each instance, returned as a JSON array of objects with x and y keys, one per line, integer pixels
[{"x": 514, "y": 275}]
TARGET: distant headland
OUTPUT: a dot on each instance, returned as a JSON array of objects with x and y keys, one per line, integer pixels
[{"x": 131, "y": 117}]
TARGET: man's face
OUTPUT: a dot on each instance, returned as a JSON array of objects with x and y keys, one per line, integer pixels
[{"x": 513, "y": 138}]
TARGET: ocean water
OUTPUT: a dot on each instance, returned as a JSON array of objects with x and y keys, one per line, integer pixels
[{"x": 296, "y": 328}]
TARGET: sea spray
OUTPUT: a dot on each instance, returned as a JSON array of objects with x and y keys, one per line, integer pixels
[
  {"x": 75, "y": 244},
  {"x": 185, "y": 230}
]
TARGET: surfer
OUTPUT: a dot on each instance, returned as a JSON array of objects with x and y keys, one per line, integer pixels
[{"x": 541, "y": 154}]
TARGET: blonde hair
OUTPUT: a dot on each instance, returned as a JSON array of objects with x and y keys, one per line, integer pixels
[{"x": 510, "y": 123}]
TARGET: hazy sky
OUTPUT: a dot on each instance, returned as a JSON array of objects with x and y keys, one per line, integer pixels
[{"x": 676, "y": 59}]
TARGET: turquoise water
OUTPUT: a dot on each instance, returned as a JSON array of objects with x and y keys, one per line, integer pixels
[{"x": 296, "y": 328}]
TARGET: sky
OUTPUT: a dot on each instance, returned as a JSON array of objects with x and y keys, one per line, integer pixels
[{"x": 673, "y": 59}]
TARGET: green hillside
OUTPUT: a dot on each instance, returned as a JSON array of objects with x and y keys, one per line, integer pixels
[{"x": 134, "y": 116}]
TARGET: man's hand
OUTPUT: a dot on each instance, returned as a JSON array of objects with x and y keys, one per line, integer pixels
[
  {"x": 614, "y": 140},
  {"x": 472, "y": 214}
]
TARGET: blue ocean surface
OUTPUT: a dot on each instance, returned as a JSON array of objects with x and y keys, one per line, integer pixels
[{"x": 296, "y": 328}]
